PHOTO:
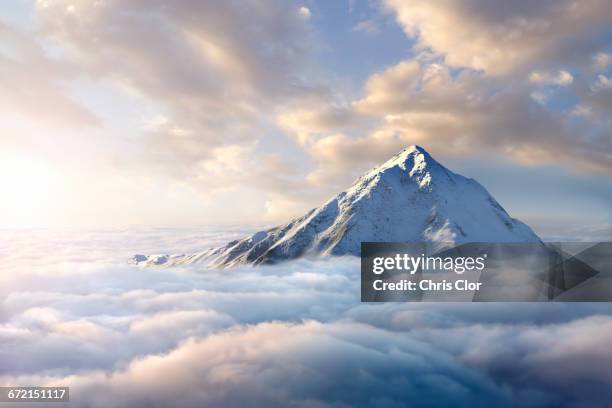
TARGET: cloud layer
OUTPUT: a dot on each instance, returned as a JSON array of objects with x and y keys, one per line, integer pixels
[{"x": 293, "y": 334}]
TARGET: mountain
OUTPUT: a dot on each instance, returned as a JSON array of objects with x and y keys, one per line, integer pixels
[{"x": 409, "y": 198}]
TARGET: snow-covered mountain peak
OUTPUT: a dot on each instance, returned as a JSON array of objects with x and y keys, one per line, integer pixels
[
  {"x": 409, "y": 198},
  {"x": 411, "y": 159},
  {"x": 412, "y": 163}
]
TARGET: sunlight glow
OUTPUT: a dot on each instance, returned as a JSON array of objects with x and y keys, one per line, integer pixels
[{"x": 30, "y": 190}]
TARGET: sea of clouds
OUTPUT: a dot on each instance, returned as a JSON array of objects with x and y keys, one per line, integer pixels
[{"x": 74, "y": 313}]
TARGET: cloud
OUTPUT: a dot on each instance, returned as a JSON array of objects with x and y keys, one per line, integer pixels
[
  {"x": 197, "y": 57},
  {"x": 34, "y": 83},
  {"x": 597, "y": 98},
  {"x": 290, "y": 334},
  {"x": 492, "y": 86},
  {"x": 215, "y": 73},
  {"x": 227, "y": 98},
  {"x": 602, "y": 60},
  {"x": 304, "y": 12},
  {"x": 307, "y": 123},
  {"x": 498, "y": 37},
  {"x": 602, "y": 83},
  {"x": 496, "y": 85},
  {"x": 303, "y": 365},
  {"x": 486, "y": 89},
  {"x": 457, "y": 114},
  {"x": 548, "y": 362},
  {"x": 367, "y": 26},
  {"x": 561, "y": 78}
]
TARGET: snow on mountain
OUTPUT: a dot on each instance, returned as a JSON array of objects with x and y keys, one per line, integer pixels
[{"x": 409, "y": 198}]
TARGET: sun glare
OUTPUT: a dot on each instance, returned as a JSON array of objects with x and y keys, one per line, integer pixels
[{"x": 31, "y": 189}]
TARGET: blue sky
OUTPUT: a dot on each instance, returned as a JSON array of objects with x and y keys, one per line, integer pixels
[{"x": 250, "y": 113}]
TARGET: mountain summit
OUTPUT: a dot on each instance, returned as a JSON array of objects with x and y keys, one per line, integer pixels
[{"x": 409, "y": 198}]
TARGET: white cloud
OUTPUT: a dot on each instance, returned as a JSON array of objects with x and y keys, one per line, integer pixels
[
  {"x": 453, "y": 114},
  {"x": 501, "y": 37},
  {"x": 216, "y": 72},
  {"x": 26, "y": 66},
  {"x": 304, "y": 12},
  {"x": 602, "y": 60},
  {"x": 561, "y": 78},
  {"x": 367, "y": 26},
  {"x": 290, "y": 334},
  {"x": 602, "y": 83},
  {"x": 582, "y": 111}
]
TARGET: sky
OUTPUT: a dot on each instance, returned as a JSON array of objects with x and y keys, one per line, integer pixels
[{"x": 213, "y": 113}]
